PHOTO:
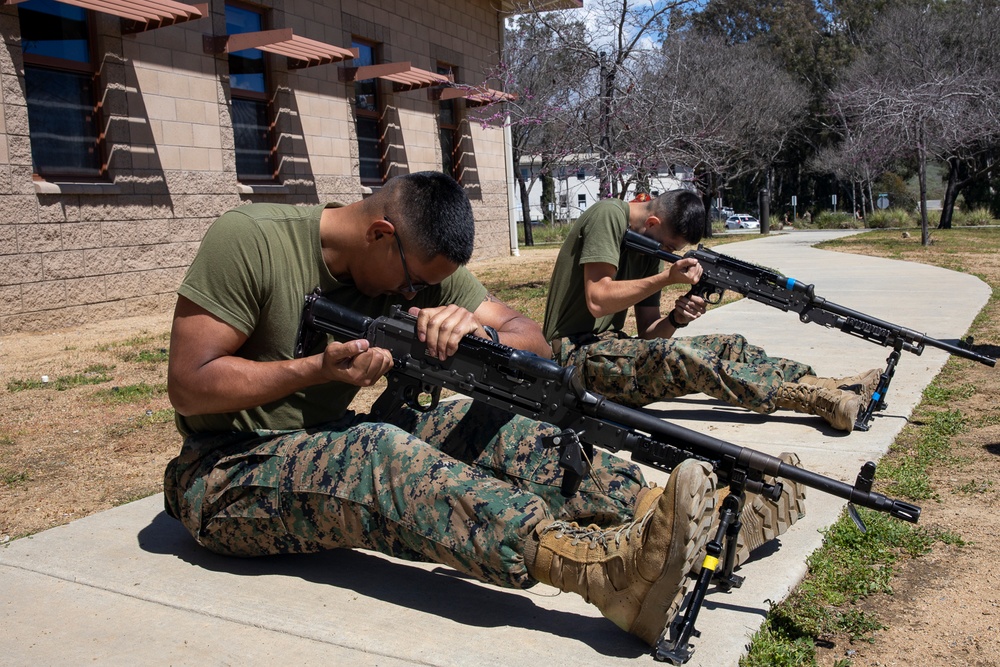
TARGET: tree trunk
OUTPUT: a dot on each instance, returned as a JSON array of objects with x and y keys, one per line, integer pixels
[
  {"x": 950, "y": 195},
  {"x": 925, "y": 236},
  {"x": 707, "y": 198},
  {"x": 525, "y": 209}
]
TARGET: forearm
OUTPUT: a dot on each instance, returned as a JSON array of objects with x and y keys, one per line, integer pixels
[
  {"x": 661, "y": 328},
  {"x": 230, "y": 384},
  {"x": 609, "y": 296},
  {"x": 524, "y": 334}
]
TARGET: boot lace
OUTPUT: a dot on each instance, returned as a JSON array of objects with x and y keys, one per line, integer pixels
[{"x": 594, "y": 534}]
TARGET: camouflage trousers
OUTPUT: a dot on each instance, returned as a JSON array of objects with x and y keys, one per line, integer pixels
[
  {"x": 636, "y": 372},
  {"x": 463, "y": 485}
]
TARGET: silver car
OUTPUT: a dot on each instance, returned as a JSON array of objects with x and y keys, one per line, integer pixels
[{"x": 742, "y": 221}]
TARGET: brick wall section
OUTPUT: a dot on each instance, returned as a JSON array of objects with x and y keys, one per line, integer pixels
[{"x": 72, "y": 254}]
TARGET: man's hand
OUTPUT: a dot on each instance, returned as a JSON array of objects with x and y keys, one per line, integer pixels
[
  {"x": 688, "y": 308},
  {"x": 687, "y": 270},
  {"x": 442, "y": 328},
  {"x": 356, "y": 363}
]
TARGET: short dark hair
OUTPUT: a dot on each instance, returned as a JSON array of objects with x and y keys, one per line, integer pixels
[
  {"x": 684, "y": 211},
  {"x": 435, "y": 212}
]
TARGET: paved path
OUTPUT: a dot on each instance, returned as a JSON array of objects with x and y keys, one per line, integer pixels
[{"x": 129, "y": 585}]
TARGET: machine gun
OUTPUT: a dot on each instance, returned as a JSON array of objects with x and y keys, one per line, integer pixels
[
  {"x": 528, "y": 385},
  {"x": 721, "y": 273}
]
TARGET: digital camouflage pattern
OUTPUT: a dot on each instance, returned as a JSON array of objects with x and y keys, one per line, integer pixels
[
  {"x": 465, "y": 489},
  {"x": 636, "y": 372}
]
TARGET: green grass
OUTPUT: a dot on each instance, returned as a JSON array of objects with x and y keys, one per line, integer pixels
[
  {"x": 151, "y": 418},
  {"x": 12, "y": 477},
  {"x": 849, "y": 567},
  {"x": 852, "y": 565},
  {"x": 133, "y": 393},
  {"x": 94, "y": 374}
]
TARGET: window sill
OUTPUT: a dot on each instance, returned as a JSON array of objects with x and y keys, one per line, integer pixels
[
  {"x": 261, "y": 189},
  {"x": 70, "y": 188}
]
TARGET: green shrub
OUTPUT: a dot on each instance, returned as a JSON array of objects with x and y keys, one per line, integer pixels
[
  {"x": 838, "y": 220},
  {"x": 544, "y": 233},
  {"x": 975, "y": 218},
  {"x": 890, "y": 217}
]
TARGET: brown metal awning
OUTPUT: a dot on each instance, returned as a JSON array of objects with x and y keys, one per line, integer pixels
[
  {"x": 300, "y": 51},
  {"x": 414, "y": 79},
  {"x": 403, "y": 76},
  {"x": 475, "y": 96},
  {"x": 140, "y": 15}
]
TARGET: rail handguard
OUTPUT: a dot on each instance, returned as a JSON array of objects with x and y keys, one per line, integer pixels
[{"x": 721, "y": 272}]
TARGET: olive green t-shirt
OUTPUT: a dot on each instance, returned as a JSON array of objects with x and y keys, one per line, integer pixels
[
  {"x": 595, "y": 237},
  {"x": 255, "y": 266}
]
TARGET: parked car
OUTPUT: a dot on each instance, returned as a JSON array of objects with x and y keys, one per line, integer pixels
[{"x": 742, "y": 221}]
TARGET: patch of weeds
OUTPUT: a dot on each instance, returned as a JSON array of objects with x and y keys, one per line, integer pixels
[
  {"x": 93, "y": 374},
  {"x": 850, "y": 566},
  {"x": 974, "y": 487},
  {"x": 134, "y": 341},
  {"x": 143, "y": 356},
  {"x": 134, "y": 424},
  {"x": 936, "y": 394},
  {"x": 15, "y": 386},
  {"x": 12, "y": 477},
  {"x": 928, "y": 442},
  {"x": 771, "y": 646},
  {"x": 133, "y": 393},
  {"x": 983, "y": 421},
  {"x": 139, "y": 349},
  {"x": 907, "y": 477}
]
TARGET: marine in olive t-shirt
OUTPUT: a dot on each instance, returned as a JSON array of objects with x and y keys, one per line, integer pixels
[
  {"x": 596, "y": 236},
  {"x": 256, "y": 265}
]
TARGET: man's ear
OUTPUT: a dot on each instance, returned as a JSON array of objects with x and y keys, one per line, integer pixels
[
  {"x": 652, "y": 221},
  {"x": 377, "y": 229}
]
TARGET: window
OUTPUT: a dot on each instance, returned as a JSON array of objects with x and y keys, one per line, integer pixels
[
  {"x": 580, "y": 175},
  {"x": 367, "y": 112},
  {"x": 451, "y": 140},
  {"x": 249, "y": 88},
  {"x": 60, "y": 83},
  {"x": 581, "y": 201}
]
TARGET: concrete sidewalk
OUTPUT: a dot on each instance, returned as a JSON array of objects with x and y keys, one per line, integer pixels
[{"x": 130, "y": 586}]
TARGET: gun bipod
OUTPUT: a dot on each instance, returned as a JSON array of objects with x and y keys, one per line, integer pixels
[
  {"x": 877, "y": 402},
  {"x": 675, "y": 647}
]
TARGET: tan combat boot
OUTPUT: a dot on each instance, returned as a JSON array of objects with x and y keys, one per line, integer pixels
[
  {"x": 838, "y": 407},
  {"x": 634, "y": 573},
  {"x": 764, "y": 519},
  {"x": 862, "y": 383}
]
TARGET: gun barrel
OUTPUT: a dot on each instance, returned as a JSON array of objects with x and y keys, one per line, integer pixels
[
  {"x": 774, "y": 289},
  {"x": 913, "y": 340},
  {"x": 715, "y": 449}
]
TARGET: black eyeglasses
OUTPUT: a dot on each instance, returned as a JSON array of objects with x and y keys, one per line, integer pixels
[{"x": 410, "y": 287}]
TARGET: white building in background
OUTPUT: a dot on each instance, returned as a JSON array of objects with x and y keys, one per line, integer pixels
[{"x": 577, "y": 186}]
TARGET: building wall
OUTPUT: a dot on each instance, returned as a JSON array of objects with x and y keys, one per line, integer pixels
[{"x": 81, "y": 252}]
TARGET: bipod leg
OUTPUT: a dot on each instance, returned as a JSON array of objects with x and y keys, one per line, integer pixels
[
  {"x": 863, "y": 422},
  {"x": 676, "y": 647},
  {"x": 724, "y": 578}
]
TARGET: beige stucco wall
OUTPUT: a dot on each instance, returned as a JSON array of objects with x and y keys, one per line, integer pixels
[{"x": 72, "y": 253}]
